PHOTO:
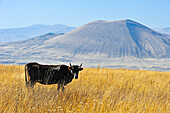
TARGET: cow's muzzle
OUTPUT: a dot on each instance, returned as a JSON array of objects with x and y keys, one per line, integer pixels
[{"x": 75, "y": 76}]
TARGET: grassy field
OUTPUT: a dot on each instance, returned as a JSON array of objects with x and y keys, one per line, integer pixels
[{"x": 96, "y": 91}]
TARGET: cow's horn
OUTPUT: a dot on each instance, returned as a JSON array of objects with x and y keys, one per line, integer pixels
[{"x": 81, "y": 64}]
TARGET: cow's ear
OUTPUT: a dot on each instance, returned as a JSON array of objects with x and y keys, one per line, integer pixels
[
  {"x": 80, "y": 69},
  {"x": 70, "y": 68}
]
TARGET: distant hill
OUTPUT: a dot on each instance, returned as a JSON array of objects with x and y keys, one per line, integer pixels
[
  {"x": 164, "y": 30},
  {"x": 22, "y": 49},
  {"x": 115, "y": 44},
  {"x": 16, "y": 34},
  {"x": 30, "y": 43}
]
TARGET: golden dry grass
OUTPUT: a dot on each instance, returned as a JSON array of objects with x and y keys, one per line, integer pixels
[{"x": 96, "y": 91}]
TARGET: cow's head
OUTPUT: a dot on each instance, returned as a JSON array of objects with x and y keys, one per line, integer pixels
[{"x": 75, "y": 70}]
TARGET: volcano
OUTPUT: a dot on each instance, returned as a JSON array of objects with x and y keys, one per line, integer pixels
[{"x": 111, "y": 39}]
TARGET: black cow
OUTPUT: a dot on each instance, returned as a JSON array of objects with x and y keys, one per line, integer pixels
[{"x": 50, "y": 74}]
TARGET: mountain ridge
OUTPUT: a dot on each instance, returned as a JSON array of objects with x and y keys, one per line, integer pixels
[{"x": 16, "y": 34}]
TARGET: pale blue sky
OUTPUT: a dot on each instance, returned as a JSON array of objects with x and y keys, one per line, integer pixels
[{"x": 20, "y": 13}]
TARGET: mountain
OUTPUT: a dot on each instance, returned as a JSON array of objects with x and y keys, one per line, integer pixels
[
  {"x": 111, "y": 39},
  {"x": 123, "y": 44},
  {"x": 16, "y": 34},
  {"x": 164, "y": 30}
]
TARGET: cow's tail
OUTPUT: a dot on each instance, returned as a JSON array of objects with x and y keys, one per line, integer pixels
[{"x": 27, "y": 77}]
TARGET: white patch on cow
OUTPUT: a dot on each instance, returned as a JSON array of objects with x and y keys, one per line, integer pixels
[
  {"x": 74, "y": 75},
  {"x": 57, "y": 68}
]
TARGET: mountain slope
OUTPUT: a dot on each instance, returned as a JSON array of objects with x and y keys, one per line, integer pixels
[
  {"x": 113, "y": 39},
  {"x": 16, "y": 34}
]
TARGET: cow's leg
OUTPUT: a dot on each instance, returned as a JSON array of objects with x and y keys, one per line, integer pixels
[
  {"x": 27, "y": 84},
  {"x": 32, "y": 84},
  {"x": 58, "y": 88},
  {"x": 62, "y": 88}
]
